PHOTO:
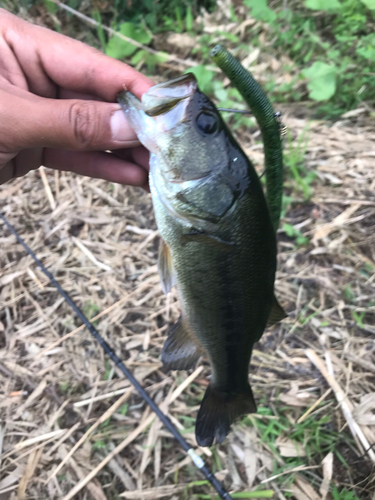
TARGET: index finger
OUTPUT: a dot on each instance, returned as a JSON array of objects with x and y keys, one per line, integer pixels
[{"x": 69, "y": 63}]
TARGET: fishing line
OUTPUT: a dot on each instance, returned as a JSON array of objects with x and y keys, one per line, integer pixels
[
  {"x": 277, "y": 115},
  {"x": 197, "y": 460},
  {"x": 230, "y": 110}
]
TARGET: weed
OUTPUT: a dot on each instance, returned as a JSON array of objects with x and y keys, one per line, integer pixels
[
  {"x": 163, "y": 15},
  {"x": 358, "y": 318},
  {"x": 294, "y": 156},
  {"x": 295, "y": 233},
  {"x": 123, "y": 409},
  {"x": 90, "y": 310},
  {"x": 348, "y": 293},
  {"x": 343, "y": 494},
  {"x": 315, "y": 435},
  {"x": 243, "y": 494},
  {"x": 98, "y": 445}
]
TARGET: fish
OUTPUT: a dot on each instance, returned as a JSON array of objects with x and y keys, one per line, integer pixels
[{"x": 218, "y": 244}]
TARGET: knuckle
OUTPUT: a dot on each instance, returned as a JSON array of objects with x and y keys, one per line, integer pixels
[{"x": 84, "y": 122}]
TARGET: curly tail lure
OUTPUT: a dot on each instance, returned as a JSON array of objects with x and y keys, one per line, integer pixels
[{"x": 269, "y": 123}]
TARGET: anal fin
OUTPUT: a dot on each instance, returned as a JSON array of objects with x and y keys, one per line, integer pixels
[
  {"x": 165, "y": 267},
  {"x": 218, "y": 411},
  {"x": 181, "y": 350},
  {"x": 277, "y": 313}
]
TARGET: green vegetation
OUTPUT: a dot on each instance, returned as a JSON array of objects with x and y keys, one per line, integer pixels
[
  {"x": 343, "y": 494},
  {"x": 163, "y": 15},
  {"x": 295, "y": 233},
  {"x": 243, "y": 494},
  {"x": 327, "y": 47},
  {"x": 330, "y": 44},
  {"x": 315, "y": 437},
  {"x": 90, "y": 310}
]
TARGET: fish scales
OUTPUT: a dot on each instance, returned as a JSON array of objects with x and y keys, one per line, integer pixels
[{"x": 219, "y": 301}]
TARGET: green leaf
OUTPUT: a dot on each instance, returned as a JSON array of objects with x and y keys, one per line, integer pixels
[
  {"x": 204, "y": 77},
  {"x": 370, "y": 4},
  {"x": 254, "y": 494},
  {"x": 260, "y": 10},
  {"x": 150, "y": 59},
  {"x": 119, "y": 48},
  {"x": 96, "y": 15},
  {"x": 189, "y": 19},
  {"x": 366, "y": 52},
  {"x": 322, "y": 80},
  {"x": 50, "y": 6},
  {"x": 289, "y": 229},
  {"x": 323, "y": 4},
  {"x": 138, "y": 56}
]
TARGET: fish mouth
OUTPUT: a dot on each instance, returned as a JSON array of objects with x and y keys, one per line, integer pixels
[
  {"x": 162, "y": 109},
  {"x": 163, "y": 97}
]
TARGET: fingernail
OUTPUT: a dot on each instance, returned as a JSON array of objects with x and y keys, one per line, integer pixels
[{"x": 121, "y": 130}]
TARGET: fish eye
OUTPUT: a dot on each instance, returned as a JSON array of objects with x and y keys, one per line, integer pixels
[{"x": 207, "y": 123}]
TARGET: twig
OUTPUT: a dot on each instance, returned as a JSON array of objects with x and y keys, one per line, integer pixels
[
  {"x": 37, "y": 439},
  {"x": 47, "y": 188},
  {"x": 103, "y": 418},
  {"x": 76, "y": 330},
  {"x": 101, "y": 397},
  {"x": 343, "y": 400},
  {"x": 129, "y": 439},
  {"x": 290, "y": 471},
  {"x": 312, "y": 408},
  {"x": 90, "y": 256}
]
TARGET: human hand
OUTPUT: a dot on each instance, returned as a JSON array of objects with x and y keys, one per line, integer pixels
[{"x": 57, "y": 107}]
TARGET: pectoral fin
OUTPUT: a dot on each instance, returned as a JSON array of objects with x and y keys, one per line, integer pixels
[
  {"x": 181, "y": 350},
  {"x": 207, "y": 239},
  {"x": 165, "y": 267},
  {"x": 277, "y": 313}
]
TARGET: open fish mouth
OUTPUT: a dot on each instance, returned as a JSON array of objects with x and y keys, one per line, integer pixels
[
  {"x": 162, "y": 108},
  {"x": 163, "y": 97}
]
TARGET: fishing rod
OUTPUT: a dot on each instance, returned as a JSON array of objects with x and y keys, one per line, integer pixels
[{"x": 197, "y": 460}]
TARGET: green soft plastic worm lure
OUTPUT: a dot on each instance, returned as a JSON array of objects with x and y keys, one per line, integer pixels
[{"x": 268, "y": 121}]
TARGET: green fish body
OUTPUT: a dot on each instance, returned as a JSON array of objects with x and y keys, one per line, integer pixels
[{"x": 218, "y": 244}]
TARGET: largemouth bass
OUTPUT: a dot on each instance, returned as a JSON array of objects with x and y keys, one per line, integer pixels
[{"x": 218, "y": 244}]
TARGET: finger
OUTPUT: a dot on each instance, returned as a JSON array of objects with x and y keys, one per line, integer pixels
[
  {"x": 95, "y": 164},
  {"x": 26, "y": 160},
  {"x": 138, "y": 155},
  {"x": 7, "y": 172},
  {"x": 6, "y": 86},
  {"x": 45, "y": 55},
  {"x": 64, "y": 124},
  {"x": 70, "y": 94}
]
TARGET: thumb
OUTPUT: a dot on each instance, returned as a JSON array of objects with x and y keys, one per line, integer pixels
[{"x": 71, "y": 124}]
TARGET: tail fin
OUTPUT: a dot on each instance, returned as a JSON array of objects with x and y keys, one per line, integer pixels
[{"x": 218, "y": 411}]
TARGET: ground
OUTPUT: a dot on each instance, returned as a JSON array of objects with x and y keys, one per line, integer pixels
[{"x": 313, "y": 375}]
